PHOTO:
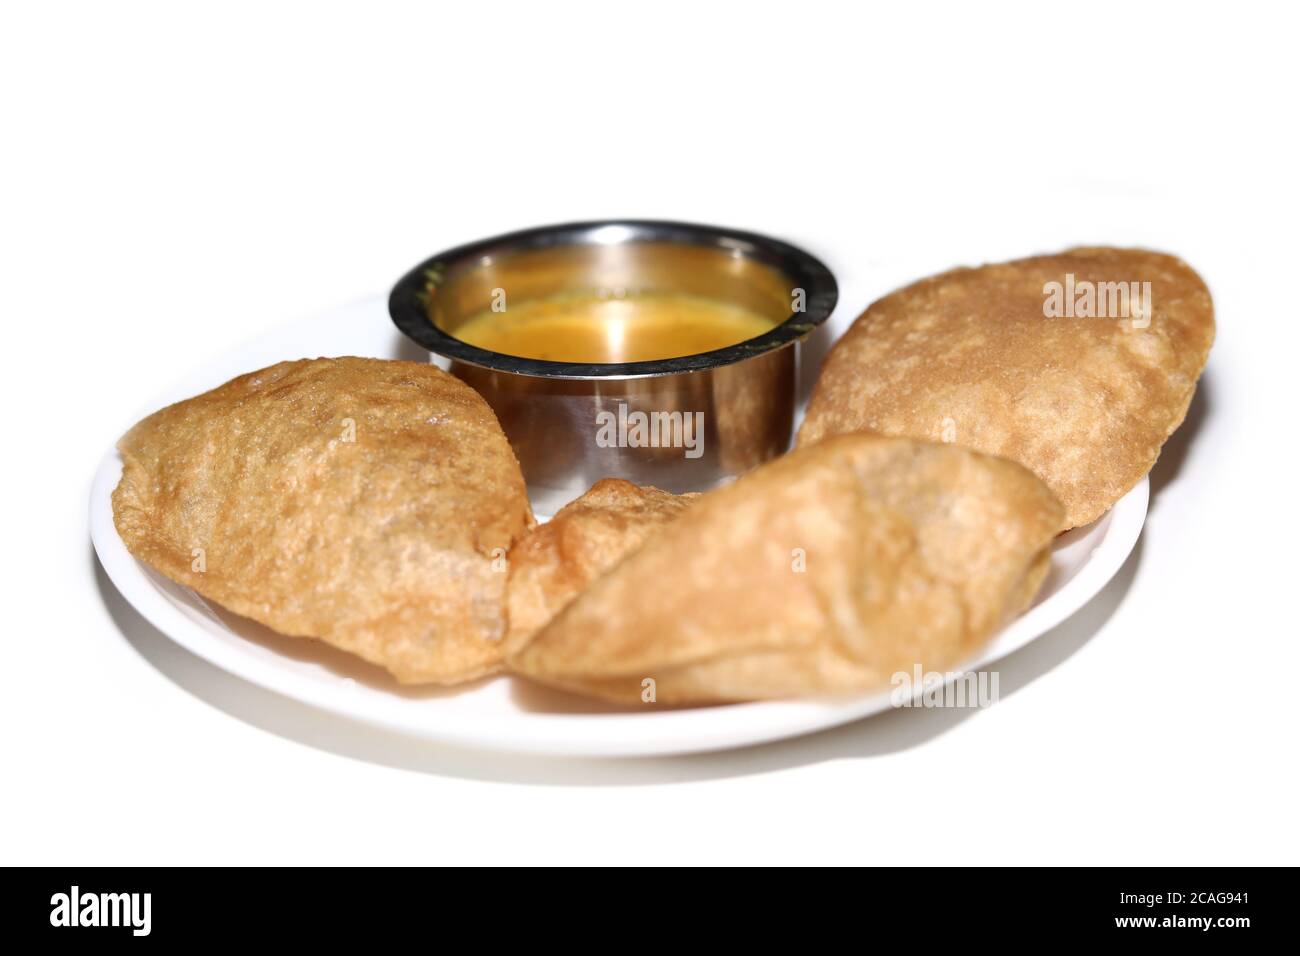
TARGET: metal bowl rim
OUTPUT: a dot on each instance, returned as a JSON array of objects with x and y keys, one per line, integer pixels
[{"x": 805, "y": 270}]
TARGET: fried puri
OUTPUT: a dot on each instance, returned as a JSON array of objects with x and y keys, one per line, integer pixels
[
  {"x": 555, "y": 561},
  {"x": 367, "y": 503},
  {"x": 1048, "y": 361},
  {"x": 825, "y": 571}
]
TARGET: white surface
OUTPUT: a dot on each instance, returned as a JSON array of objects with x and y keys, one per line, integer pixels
[
  {"x": 175, "y": 183},
  {"x": 503, "y": 714}
]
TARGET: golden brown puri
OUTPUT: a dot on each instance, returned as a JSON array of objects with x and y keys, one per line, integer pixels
[
  {"x": 555, "y": 561},
  {"x": 969, "y": 356},
  {"x": 825, "y": 571},
  {"x": 367, "y": 503}
]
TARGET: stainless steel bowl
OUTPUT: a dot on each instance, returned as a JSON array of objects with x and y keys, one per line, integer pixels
[{"x": 572, "y": 424}]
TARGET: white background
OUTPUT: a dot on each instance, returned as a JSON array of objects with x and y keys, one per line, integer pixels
[{"x": 175, "y": 182}]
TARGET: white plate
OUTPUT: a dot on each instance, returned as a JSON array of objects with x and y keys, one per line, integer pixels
[{"x": 504, "y": 713}]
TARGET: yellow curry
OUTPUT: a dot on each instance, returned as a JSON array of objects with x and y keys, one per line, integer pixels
[{"x": 591, "y": 328}]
